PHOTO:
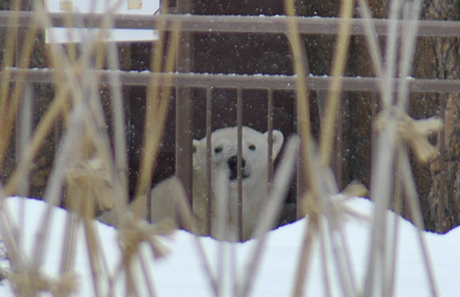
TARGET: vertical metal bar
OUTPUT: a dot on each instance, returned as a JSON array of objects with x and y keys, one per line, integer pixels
[
  {"x": 23, "y": 134},
  {"x": 442, "y": 164},
  {"x": 270, "y": 137},
  {"x": 339, "y": 146},
  {"x": 208, "y": 158},
  {"x": 373, "y": 105},
  {"x": 239, "y": 122},
  {"x": 374, "y": 111},
  {"x": 184, "y": 104},
  {"x": 321, "y": 97},
  {"x": 301, "y": 187},
  {"x": 184, "y": 149}
]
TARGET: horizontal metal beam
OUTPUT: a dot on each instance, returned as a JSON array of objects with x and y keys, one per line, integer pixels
[
  {"x": 276, "y": 82},
  {"x": 235, "y": 24}
]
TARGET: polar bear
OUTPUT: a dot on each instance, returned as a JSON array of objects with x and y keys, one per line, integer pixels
[{"x": 224, "y": 182}]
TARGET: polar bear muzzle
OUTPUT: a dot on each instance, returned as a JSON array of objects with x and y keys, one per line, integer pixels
[{"x": 232, "y": 163}]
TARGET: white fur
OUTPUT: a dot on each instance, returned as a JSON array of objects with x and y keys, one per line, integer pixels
[{"x": 224, "y": 145}]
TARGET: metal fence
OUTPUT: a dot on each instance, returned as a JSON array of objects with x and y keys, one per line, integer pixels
[{"x": 184, "y": 80}]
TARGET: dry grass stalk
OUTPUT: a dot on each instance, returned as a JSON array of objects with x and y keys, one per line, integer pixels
[
  {"x": 87, "y": 176},
  {"x": 8, "y": 232},
  {"x": 138, "y": 231},
  {"x": 410, "y": 12},
  {"x": 414, "y": 206},
  {"x": 30, "y": 283},
  {"x": 314, "y": 181},
  {"x": 372, "y": 38},
  {"x": 339, "y": 62},
  {"x": 395, "y": 128},
  {"x": 43, "y": 129},
  {"x": 413, "y": 132},
  {"x": 121, "y": 162},
  {"x": 306, "y": 152},
  {"x": 89, "y": 187},
  {"x": 302, "y": 102},
  {"x": 10, "y": 109},
  {"x": 8, "y": 61},
  {"x": 186, "y": 218},
  {"x": 278, "y": 191},
  {"x": 90, "y": 175},
  {"x": 301, "y": 275},
  {"x": 156, "y": 113},
  {"x": 53, "y": 189},
  {"x": 389, "y": 72},
  {"x": 68, "y": 251}
]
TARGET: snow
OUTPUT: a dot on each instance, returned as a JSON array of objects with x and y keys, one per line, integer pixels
[{"x": 181, "y": 273}]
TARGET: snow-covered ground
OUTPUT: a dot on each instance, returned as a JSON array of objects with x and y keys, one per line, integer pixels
[{"x": 181, "y": 273}]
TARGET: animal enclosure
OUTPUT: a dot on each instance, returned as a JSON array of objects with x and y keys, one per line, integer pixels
[{"x": 367, "y": 97}]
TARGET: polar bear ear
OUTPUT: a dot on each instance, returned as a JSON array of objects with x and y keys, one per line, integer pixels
[{"x": 278, "y": 140}]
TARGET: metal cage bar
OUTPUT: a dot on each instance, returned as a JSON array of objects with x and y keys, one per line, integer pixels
[
  {"x": 208, "y": 157},
  {"x": 239, "y": 123},
  {"x": 278, "y": 82},
  {"x": 185, "y": 79},
  {"x": 236, "y": 24},
  {"x": 270, "y": 136}
]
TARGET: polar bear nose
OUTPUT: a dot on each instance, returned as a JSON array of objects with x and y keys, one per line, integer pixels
[{"x": 232, "y": 163}]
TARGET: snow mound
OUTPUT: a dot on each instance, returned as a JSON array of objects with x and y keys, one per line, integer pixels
[{"x": 181, "y": 273}]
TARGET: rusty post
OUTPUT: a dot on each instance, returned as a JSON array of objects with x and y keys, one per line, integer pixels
[
  {"x": 270, "y": 137},
  {"x": 239, "y": 122},
  {"x": 184, "y": 106},
  {"x": 208, "y": 157},
  {"x": 442, "y": 206}
]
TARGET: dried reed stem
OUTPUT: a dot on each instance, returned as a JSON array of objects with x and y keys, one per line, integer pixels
[
  {"x": 414, "y": 206},
  {"x": 8, "y": 61},
  {"x": 11, "y": 110},
  {"x": 335, "y": 89},
  {"x": 68, "y": 251},
  {"x": 327, "y": 135},
  {"x": 372, "y": 38},
  {"x": 389, "y": 272},
  {"x": 278, "y": 190},
  {"x": 304, "y": 258},
  {"x": 323, "y": 244},
  {"x": 148, "y": 279},
  {"x": 408, "y": 43},
  {"x": 186, "y": 216},
  {"x": 381, "y": 181},
  {"x": 121, "y": 162},
  {"x": 44, "y": 127},
  {"x": 53, "y": 189},
  {"x": 381, "y": 259},
  {"x": 56, "y": 107},
  {"x": 156, "y": 113},
  {"x": 387, "y": 86},
  {"x": 306, "y": 152},
  {"x": 93, "y": 250},
  {"x": 303, "y": 108}
]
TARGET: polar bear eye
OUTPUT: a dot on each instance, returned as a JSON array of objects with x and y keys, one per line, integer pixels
[
  {"x": 218, "y": 149},
  {"x": 252, "y": 147}
]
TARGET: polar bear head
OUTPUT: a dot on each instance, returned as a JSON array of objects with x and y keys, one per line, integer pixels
[
  {"x": 224, "y": 177},
  {"x": 224, "y": 152}
]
